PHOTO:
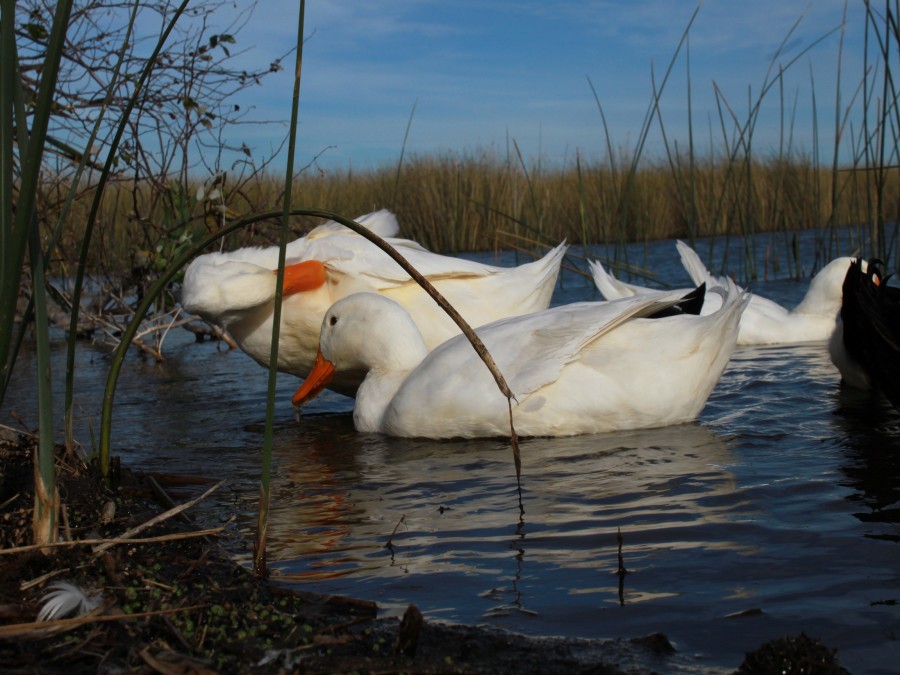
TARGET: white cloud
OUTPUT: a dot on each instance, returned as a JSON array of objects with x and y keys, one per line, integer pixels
[{"x": 482, "y": 71}]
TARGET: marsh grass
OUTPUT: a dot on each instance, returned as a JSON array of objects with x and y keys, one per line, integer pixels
[{"x": 452, "y": 203}]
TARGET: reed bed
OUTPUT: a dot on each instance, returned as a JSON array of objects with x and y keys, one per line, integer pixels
[{"x": 453, "y": 203}]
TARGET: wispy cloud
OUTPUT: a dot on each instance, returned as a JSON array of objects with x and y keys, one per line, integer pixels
[{"x": 482, "y": 72}]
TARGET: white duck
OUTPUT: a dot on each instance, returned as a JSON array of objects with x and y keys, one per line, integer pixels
[
  {"x": 764, "y": 321},
  {"x": 581, "y": 368},
  {"x": 236, "y": 290}
]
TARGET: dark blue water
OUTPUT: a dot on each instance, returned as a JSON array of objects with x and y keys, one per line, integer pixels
[{"x": 776, "y": 513}]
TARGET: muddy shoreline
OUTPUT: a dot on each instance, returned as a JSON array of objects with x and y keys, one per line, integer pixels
[{"x": 172, "y": 600}]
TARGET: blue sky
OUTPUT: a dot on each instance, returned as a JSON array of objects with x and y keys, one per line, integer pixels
[{"x": 484, "y": 73}]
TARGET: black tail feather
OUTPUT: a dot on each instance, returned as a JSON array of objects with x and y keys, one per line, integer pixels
[{"x": 691, "y": 303}]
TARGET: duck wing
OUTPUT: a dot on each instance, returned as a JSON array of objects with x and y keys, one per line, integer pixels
[
  {"x": 532, "y": 350},
  {"x": 690, "y": 303}
]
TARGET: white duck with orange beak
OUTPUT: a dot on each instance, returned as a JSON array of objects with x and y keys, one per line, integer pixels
[
  {"x": 587, "y": 367},
  {"x": 236, "y": 290}
]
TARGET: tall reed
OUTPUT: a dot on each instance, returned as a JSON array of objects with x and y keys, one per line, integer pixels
[
  {"x": 19, "y": 226},
  {"x": 262, "y": 523}
]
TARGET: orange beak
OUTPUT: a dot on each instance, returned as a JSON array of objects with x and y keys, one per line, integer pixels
[
  {"x": 303, "y": 276},
  {"x": 319, "y": 377}
]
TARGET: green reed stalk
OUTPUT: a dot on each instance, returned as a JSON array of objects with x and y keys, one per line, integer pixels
[
  {"x": 776, "y": 211},
  {"x": 128, "y": 334},
  {"x": 685, "y": 187},
  {"x": 25, "y": 226},
  {"x": 748, "y": 229},
  {"x": 46, "y": 496},
  {"x": 18, "y": 216},
  {"x": 396, "y": 196},
  {"x": 68, "y": 407},
  {"x": 532, "y": 195},
  {"x": 693, "y": 219},
  {"x": 625, "y": 200},
  {"x": 98, "y": 197},
  {"x": 582, "y": 216},
  {"x": 880, "y": 173},
  {"x": 816, "y": 187},
  {"x": 611, "y": 158},
  {"x": 186, "y": 255},
  {"x": 838, "y": 133},
  {"x": 262, "y": 522},
  {"x": 9, "y": 272},
  {"x": 893, "y": 109},
  {"x": 742, "y": 145},
  {"x": 888, "y": 117},
  {"x": 13, "y": 286},
  {"x": 866, "y": 150},
  {"x": 11, "y": 238}
]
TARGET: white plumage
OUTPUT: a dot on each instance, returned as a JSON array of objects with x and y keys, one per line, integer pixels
[
  {"x": 65, "y": 599},
  {"x": 574, "y": 369},
  {"x": 764, "y": 321},
  {"x": 236, "y": 290}
]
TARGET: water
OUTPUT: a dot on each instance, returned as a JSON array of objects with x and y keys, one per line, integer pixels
[{"x": 776, "y": 513}]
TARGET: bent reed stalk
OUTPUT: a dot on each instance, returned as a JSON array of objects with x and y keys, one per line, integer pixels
[{"x": 179, "y": 263}]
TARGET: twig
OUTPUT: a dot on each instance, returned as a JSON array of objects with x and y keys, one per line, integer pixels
[
  {"x": 390, "y": 543},
  {"x": 64, "y": 512},
  {"x": 621, "y": 571},
  {"x": 10, "y": 501},
  {"x": 163, "y": 516},
  {"x": 619, "y": 541},
  {"x": 40, "y": 628},
  {"x": 224, "y": 336},
  {"x": 25, "y": 585},
  {"x": 106, "y": 543},
  {"x": 517, "y": 457},
  {"x": 466, "y": 329},
  {"x": 163, "y": 496},
  {"x": 22, "y": 432},
  {"x": 168, "y": 327}
]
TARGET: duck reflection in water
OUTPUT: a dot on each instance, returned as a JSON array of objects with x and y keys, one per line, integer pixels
[{"x": 340, "y": 495}]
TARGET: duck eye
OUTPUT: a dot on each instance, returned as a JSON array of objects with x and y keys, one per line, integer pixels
[{"x": 332, "y": 320}]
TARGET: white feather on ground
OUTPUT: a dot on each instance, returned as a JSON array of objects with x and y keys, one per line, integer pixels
[{"x": 64, "y": 600}]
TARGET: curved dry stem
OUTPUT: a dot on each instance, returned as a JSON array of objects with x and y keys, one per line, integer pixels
[{"x": 464, "y": 326}]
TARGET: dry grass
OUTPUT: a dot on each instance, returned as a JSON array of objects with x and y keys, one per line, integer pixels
[{"x": 453, "y": 203}]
